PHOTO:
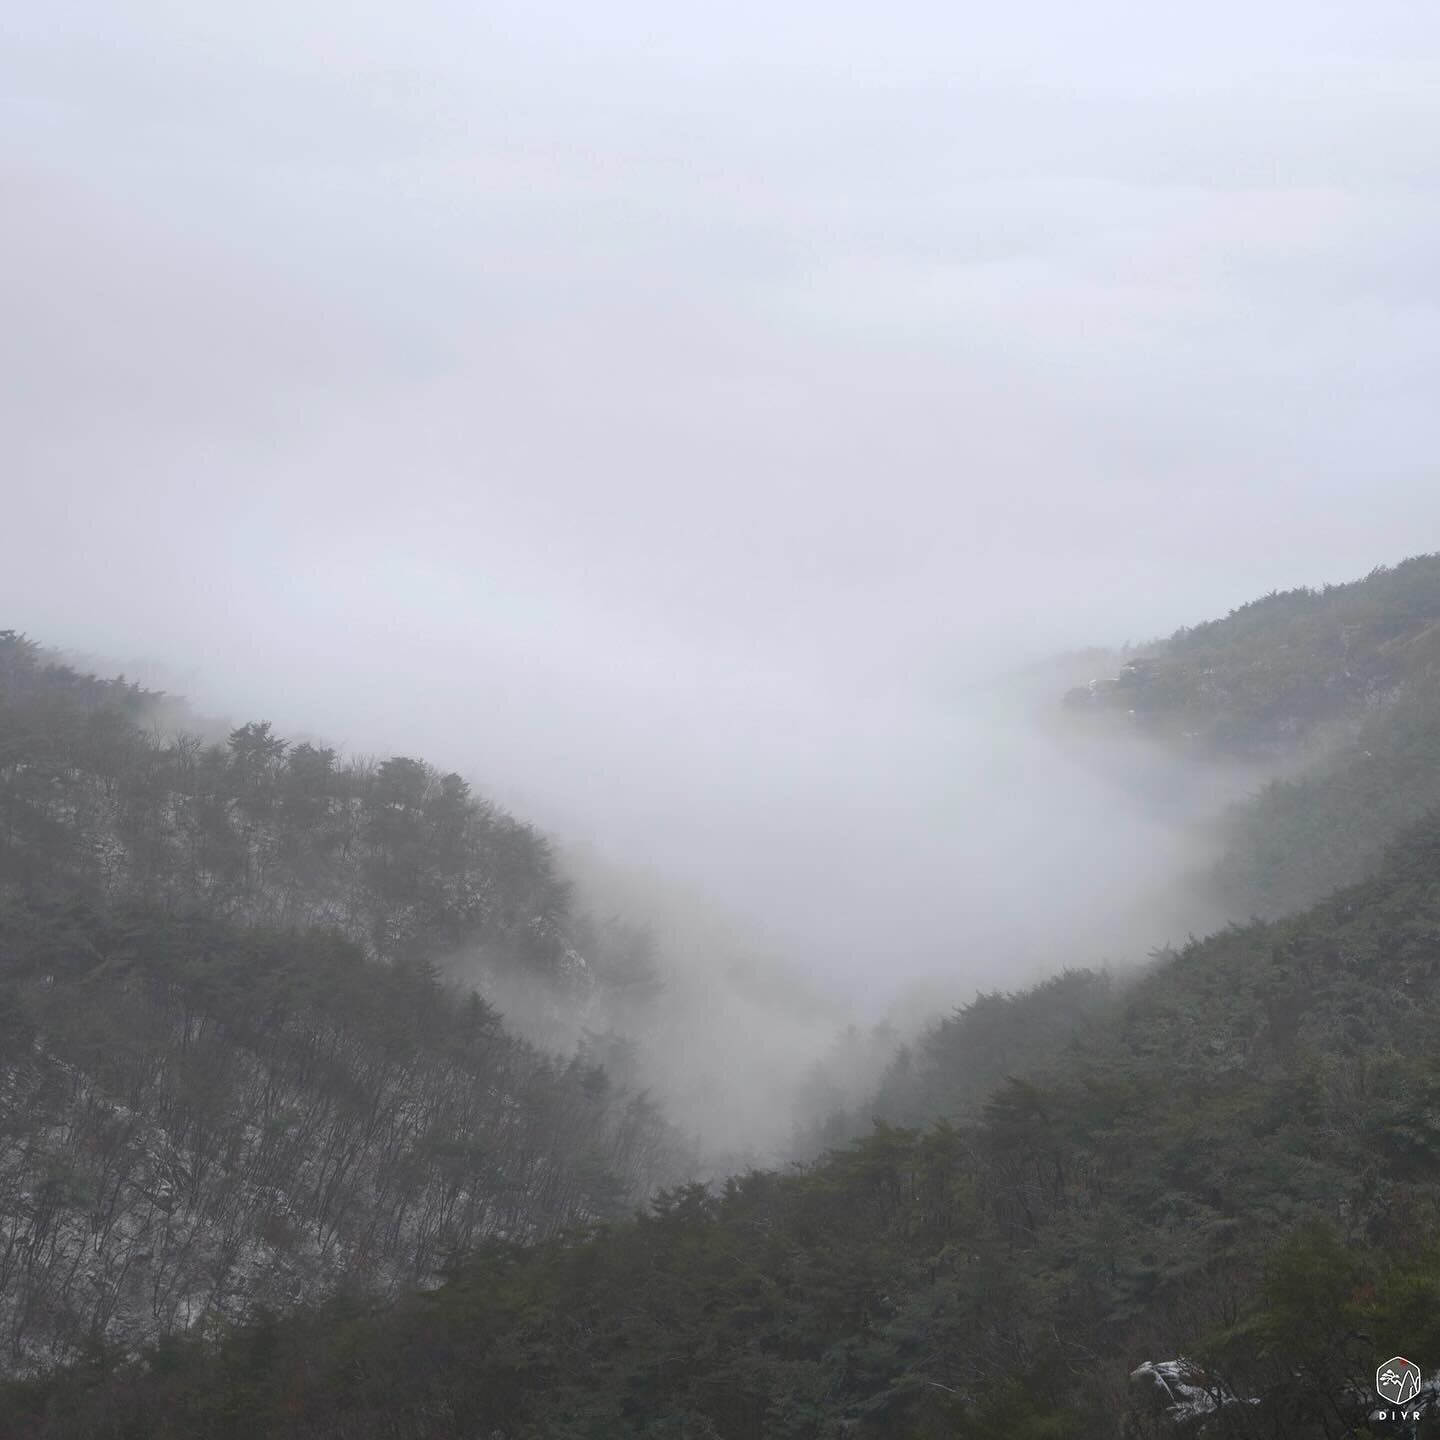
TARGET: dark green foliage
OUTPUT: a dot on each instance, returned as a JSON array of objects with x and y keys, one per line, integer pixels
[
  {"x": 1237, "y": 1162},
  {"x": 405, "y": 860},
  {"x": 1232, "y": 1167},
  {"x": 1300, "y": 838},
  {"x": 1337, "y": 690},
  {"x": 200, "y": 1115},
  {"x": 228, "y": 1071},
  {"x": 960, "y": 1061},
  {"x": 1280, "y": 668}
]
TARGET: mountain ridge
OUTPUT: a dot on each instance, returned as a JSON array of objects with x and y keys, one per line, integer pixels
[{"x": 1185, "y": 1203}]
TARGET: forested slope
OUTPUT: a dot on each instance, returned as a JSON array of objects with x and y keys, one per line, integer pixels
[
  {"x": 1336, "y": 689},
  {"x": 1202, "y": 1202},
  {"x": 95, "y": 797},
  {"x": 1240, "y": 1166},
  {"x": 229, "y": 1072},
  {"x": 953, "y": 1066},
  {"x": 1284, "y": 666}
]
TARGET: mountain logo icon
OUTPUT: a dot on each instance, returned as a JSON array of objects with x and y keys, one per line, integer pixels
[{"x": 1398, "y": 1380}]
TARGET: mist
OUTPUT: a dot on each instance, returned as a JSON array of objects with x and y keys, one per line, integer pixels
[{"x": 691, "y": 427}]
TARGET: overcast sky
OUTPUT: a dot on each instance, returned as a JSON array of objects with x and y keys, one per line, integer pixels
[{"x": 654, "y": 408}]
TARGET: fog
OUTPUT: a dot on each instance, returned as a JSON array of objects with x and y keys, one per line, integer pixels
[{"x": 683, "y": 422}]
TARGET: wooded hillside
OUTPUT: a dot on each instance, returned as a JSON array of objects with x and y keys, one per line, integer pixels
[{"x": 230, "y": 1072}]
